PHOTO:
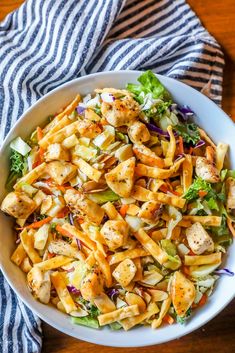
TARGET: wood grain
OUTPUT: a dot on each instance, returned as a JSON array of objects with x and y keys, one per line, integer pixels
[{"x": 218, "y": 335}]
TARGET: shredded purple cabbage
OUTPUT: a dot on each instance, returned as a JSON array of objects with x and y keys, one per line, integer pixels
[
  {"x": 157, "y": 129},
  {"x": 80, "y": 109},
  {"x": 200, "y": 144},
  {"x": 178, "y": 157},
  {"x": 112, "y": 293},
  {"x": 224, "y": 271},
  {"x": 70, "y": 269},
  {"x": 185, "y": 112},
  {"x": 107, "y": 97},
  {"x": 71, "y": 221},
  {"x": 73, "y": 290},
  {"x": 79, "y": 244}
]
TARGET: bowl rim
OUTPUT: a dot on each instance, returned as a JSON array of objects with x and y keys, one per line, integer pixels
[{"x": 6, "y": 141}]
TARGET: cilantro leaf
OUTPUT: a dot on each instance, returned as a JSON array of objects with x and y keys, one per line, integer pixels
[{"x": 189, "y": 132}]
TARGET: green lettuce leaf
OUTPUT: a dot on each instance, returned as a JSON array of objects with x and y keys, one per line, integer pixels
[
  {"x": 103, "y": 196},
  {"x": 189, "y": 132},
  {"x": 86, "y": 321},
  {"x": 17, "y": 168},
  {"x": 149, "y": 83},
  {"x": 199, "y": 184}
]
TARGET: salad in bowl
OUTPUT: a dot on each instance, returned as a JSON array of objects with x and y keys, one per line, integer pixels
[{"x": 123, "y": 208}]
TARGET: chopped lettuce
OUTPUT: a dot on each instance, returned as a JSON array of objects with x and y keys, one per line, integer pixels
[
  {"x": 225, "y": 173},
  {"x": 169, "y": 247},
  {"x": 17, "y": 168},
  {"x": 103, "y": 196},
  {"x": 189, "y": 132},
  {"x": 20, "y": 146},
  {"x": 212, "y": 204},
  {"x": 86, "y": 321},
  {"x": 199, "y": 184},
  {"x": 149, "y": 83},
  {"x": 115, "y": 326},
  {"x": 182, "y": 320}
]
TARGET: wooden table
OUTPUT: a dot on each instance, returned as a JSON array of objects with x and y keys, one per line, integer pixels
[{"x": 218, "y": 335}]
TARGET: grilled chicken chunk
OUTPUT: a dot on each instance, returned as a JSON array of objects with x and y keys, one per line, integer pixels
[
  {"x": 61, "y": 172},
  {"x": 40, "y": 284},
  {"x": 80, "y": 204},
  {"x": 198, "y": 239},
  {"x": 18, "y": 205},
  {"x": 206, "y": 170},
  {"x": 121, "y": 111},
  {"x": 56, "y": 152},
  {"x": 138, "y": 132}
]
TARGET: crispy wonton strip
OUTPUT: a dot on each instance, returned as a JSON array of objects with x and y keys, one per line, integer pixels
[
  {"x": 197, "y": 260},
  {"x": 111, "y": 212},
  {"x": 213, "y": 221},
  {"x": 205, "y": 137},
  {"x": 30, "y": 177},
  {"x": 67, "y": 111},
  {"x": 130, "y": 322},
  {"x": 60, "y": 135},
  {"x": 187, "y": 172},
  {"x": 119, "y": 314},
  {"x": 62, "y": 291},
  {"x": 65, "y": 121},
  {"x": 54, "y": 263},
  {"x": 79, "y": 235},
  {"x": 104, "y": 303},
  {"x": 105, "y": 267},
  {"x": 220, "y": 153},
  {"x": 18, "y": 255},
  {"x": 164, "y": 309},
  {"x": 182, "y": 223},
  {"x": 171, "y": 148},
  {"x": 158, "y": 295},
  {"x": 128, "y": 254},
  {"x": 150, "y": 245},
  {"x": 230, "y": 225},
  {"x": 139, "y": 272},
  {"x": 169, "y": 199},
  {"x": 157, "y": 173},
  {"x": 28, "y": 244},
  {"x": 141, "y": 194},
  {"x": 87, "y": 169}
]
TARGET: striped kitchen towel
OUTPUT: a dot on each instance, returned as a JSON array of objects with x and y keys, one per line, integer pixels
[{"x": 46, "y": 43}]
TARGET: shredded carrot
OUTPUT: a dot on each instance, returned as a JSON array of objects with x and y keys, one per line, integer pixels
[
  {"x": 203, "y": 300},
  {"x": 80, "y": 220},
  {"x": 185, "y": 269},
  {"x": 41, "y": 153},
  {"x": 165, "y": 189},
  {"x": 123, "y": 210},
  {"x": 50, "y": 255},
  {"x": 230, "y": 225},
  {"x": 168, "y": 319},
  {"x": 38, "y": 224},
  {"x": 202, "y": 193},
  {"x": 191, "y": 150},
  {"x": 63, "y": 231},
  {"x": 39, "y": 133},
  {"x": 63, "y": 213},
  {"x": 181, "y": 145}
]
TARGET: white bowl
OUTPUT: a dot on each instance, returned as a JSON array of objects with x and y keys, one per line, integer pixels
[{"x": 209, "y": 117}]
